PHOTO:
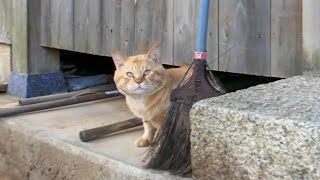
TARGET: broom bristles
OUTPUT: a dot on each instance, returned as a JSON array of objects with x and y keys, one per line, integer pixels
[{"x": 171, "y": 148}]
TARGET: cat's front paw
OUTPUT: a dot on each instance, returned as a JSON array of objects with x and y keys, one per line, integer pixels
[{"x": 142, "y": 142}]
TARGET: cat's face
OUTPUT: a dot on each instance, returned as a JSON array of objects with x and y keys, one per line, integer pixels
[{"x": 141, "y": 74}]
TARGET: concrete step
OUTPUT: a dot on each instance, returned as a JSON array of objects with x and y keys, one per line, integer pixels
[
  {"x": 45, "y": 145},
  {"x": 270, "y": 131}
]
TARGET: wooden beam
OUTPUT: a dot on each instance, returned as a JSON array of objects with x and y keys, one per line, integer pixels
[
  {"x": 286, "y": 38},
  {"x": 28, "y": 57},
  {"x": 5, "y": 21},
  {"x": 40, "y": 60},
  {"x": 19, "y": 36}
]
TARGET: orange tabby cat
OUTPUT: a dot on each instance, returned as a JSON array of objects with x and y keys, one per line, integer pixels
[{"x": 147, "y": 87}]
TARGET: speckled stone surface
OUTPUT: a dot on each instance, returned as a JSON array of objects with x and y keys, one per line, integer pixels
[
  {"x": 26, "y": 86},
  {"x": 269, "y": 131}
]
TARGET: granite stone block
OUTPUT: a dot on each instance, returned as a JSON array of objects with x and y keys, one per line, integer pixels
[{"x": 269, "y": 131}]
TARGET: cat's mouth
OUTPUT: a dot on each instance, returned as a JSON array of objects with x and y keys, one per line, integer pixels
[{"x": 140, "y": 88}]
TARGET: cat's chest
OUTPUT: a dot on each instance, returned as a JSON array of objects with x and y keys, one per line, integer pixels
[{"x": 137, "y": 105}]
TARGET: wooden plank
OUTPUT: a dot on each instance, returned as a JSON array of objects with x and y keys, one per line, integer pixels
[
  {"x": 57, "y": 28},
  {"x": 40, "y": 60},
  {"x": 162, "y": 29},
  {"x": 248, "y": 24},
  {"x": 127, "y": 30},
  {"x": 110, "y": 23},
  {"x": 311, "y": 39},
  {"x": 185, "y": 12},
  {"x": 143, "y": 25},
  {"x": 118, "y": 26},
  {"x": 5, "y": 21},
  {"x": 45, "y": 38},
  {"x": 19, "y": 37},
  {"x": 286, "y": 38},
  {"x": 213, "y": 34},
  {"x": 87, "y": 27}
]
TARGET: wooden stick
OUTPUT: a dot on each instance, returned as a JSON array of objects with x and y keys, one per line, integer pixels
[
  {"x": 91, "y": 134},
  {"x": 54, "y": 97},
  {"x": 58, "y": 103}
]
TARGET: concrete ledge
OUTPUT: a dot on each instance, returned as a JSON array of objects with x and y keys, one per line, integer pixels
[
  {"x": 26, "y": 86},
  {"x": 37, "y": 156},
  {"x": 269, "y": 131},
  {"x": 46, "y": 145}
]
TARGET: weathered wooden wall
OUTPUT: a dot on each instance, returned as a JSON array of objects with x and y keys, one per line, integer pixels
[
  {"x": 267, "y": 33},
  {"x": 99, "y": 27},
  {"x": 245, "y": 24},
  {"x": 5, "y": 21}
]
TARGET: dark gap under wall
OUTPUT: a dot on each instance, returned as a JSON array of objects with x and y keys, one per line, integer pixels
[
  {"x": 82, "y": 70},
  {"x": 233, "y": 81},
  {"x": 85, "y": 70}
]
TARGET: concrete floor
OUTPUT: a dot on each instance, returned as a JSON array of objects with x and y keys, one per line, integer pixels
[
  {"x": 65, "y": 123},
  {"x": 6, "y": 99}
]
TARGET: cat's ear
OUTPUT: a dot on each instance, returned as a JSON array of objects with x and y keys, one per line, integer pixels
[
  {"x": 118, "y": 58},
  {"x": 154, "y": 53}
]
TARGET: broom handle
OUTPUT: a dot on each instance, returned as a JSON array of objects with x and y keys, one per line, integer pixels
[
  {"x": 95, "y": 133},
  {"x": 203, "y": 25}
]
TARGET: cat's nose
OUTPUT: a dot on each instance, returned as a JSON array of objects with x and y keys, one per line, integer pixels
[{"x": 138, "y": 81}]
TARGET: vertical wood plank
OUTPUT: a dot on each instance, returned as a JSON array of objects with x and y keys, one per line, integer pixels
[
  {"x": 87, "y": 26},
  {"x": 45, "y": 38},
  {"x": 213, "y": 34},
  {"x": 19, "y": 37},
  {"x": 143, "y": 25},
  {"x": 40, "y": 60},
  {"x": 184, "y": 30},
  {"x": 286, "y": 37},
  {"x": 111, "y": 22},
  {"x": 162, "y": 29},
  {"x": 118, "y": 26},
  {"x": 248, "y": 24},
  {"x": 311, "y": 38},
  {"x": 57, "y": 28},
  {"x": 127, "y": 27},
  {"x": 5, "y": 21}
]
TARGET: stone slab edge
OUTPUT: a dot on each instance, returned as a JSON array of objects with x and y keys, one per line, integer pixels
[
  {"x": 30, "y": 154},
  {"x": 230, "y": 143}
]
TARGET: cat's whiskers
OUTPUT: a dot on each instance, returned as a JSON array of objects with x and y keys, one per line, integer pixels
[{"x": 125, "y": 89}]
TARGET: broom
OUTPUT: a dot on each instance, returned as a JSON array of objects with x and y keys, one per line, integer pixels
[{"x": 171, "y": 148}]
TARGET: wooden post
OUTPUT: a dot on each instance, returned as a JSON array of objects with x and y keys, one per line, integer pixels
[
  {"x": 35, "y": 68},
  {"x": 27, "y": 54}
]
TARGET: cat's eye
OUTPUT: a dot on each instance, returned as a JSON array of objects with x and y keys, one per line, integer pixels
[
  {"x": 146, "y": 72},
  {"x": 130, "y": 74}
]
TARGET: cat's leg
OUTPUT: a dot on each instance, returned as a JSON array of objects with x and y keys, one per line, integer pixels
[{"x": 147, "y": 137}]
